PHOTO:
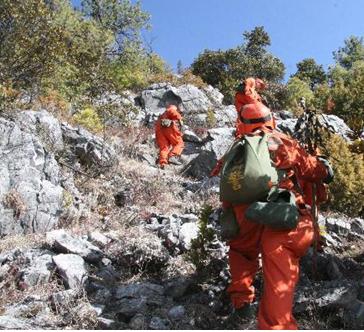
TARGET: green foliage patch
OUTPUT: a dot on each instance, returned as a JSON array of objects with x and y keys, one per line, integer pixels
[
  {"x": 347, "y": 189},
  {"x": 199, "y": 254},
  {"x": 226, "y": 69}
]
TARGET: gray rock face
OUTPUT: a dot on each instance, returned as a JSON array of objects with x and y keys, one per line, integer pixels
[
  {"x": 107, "y": 324},
  {"x": 138, "y": 322},
  {"x": 177, "y": 287},
  {"x": 157, "y": 323},
  {"x": 31, "y": 197},
  {"x": 34, "y": 266},
  {"x": 332, "y": 122},
  {"x": 187, "y": 233},
  {"x": 158, "y": 96},
  {"x": 286, "y": 126},
  {"x": 29, "y": 314},
  {"x": 135, "y": 298},
  {"x": 99, "y": 239},
  {"x": 190, "y": 136},
  {"x": 215, "y": 96},
  {"x": 12, "y": 323},
  {"x": 40, "y": 268},
  {"x": 65, "y": 243},
  {"x": 341, "y": 228},
  {"x": 124, "y": 109},
  {"x": 72, "y": 270},
  {"x": 64, "y": 298},
  {"x": 45, "y": 125},
  {"x": 195, "y": 103},
  {"x": 176, "y": 231},
  {"x": 88, "y": 148},
  {"x": 340, "y": 293},
  {"x": 338, "y": 126},
  {"x": 216, "y": 144},
  {"x": 226, "y": 116},
  {"x": 219, "y": 140},
  {"x": 177, "y": 312},
  {"x": 149, "y": 290},
  {"x": 201, "y": 166}
]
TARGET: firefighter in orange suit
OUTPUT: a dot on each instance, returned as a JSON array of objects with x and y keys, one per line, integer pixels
[
  {"x": 247, "y": 94},
  {"x": 169, "y": 136},
  {"x": 281, "y": 250}
]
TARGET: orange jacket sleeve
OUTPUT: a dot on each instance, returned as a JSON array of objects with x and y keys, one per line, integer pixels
[{"x": 307, "y": 167}]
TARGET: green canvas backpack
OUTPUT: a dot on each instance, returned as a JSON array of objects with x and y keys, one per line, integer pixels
[
  {"x": 279, "y": 211},
  {"x": 248, "y": 172}
]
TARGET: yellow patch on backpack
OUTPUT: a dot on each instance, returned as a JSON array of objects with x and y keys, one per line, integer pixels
[{"x": 235, "y": 178}]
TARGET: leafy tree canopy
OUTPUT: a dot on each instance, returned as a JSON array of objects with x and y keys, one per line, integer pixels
[
  {"x": 310, "y": 72},
  {"x": 352, "y": 51},
  {"x": 225, "y": 69},
  {"x": 121, "y": 17}
]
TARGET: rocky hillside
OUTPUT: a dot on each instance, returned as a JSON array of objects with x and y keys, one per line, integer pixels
[{"x": 93, "y": 235}]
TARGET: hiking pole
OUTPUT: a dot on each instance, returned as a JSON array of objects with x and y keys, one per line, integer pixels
[{"x": 310, "y": 139}]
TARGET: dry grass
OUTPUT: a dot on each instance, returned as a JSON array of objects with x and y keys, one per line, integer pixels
[
  {"x": 20, "y": 241},
  {"x": 153, "y": 191},
  {"x": 13, "y": 200},
  {"x": 12, "y": 290}
]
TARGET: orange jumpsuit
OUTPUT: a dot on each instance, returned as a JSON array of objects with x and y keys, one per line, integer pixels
[
  {"x": 248, "y": 96},
  {"x": 281, "y": 250},
  {"x": 169, "y": 139}
]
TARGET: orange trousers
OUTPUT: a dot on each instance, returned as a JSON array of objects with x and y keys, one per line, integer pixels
[
  {"x": 281, "y": 252},
  {"x": 169, "y": 141}
]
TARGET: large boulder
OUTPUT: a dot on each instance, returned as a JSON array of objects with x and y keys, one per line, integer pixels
[
  {"x": 202, "y": 165},
  {"x": 338, "y": 126},
  {"x": 65, "y": 243},
  {"x": 137, "y": 298},
  {"x": 39, "y": 267},
  {"x": 87, "y": 148},
  {"x": 215, "y": 145},
  {"x": 72, "y": 270},
  {"x": 331, "y": 122},
  {"x": 31, "y": 197},
  {"x": 188, "y": 97},
  {"x": 200, "y": 107},
  {"x": 219, "y": 140},
  {"x": 122, "y": 109}
]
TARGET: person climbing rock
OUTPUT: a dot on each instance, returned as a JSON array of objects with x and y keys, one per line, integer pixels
[
  {"x": 169, "y": 137},
  {"x": 281, "y": 239},
  {"x": 247, "y": 93}
]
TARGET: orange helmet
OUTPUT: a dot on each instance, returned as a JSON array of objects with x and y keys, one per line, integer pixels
[
  {"x": 172, "y": 108},
  {"x": 254, "y": 116},
  {"x": 260, "y": 84}
]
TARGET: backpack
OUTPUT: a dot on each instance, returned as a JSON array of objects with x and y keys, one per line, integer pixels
[
  {"x": 248, "y": 172},
  {"x": 166, "y": 122}
]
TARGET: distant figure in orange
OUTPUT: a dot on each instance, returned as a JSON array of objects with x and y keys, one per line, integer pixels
[
  {"x": 169, "y": 137},
  {"x": 247, "y": 94}
]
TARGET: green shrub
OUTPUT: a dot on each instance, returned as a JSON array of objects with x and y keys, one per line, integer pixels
[
  {"x": 296, "y": 89},
  {"x": 199, "y": 254},
  {"x": 89, "y": 119},
  {"x": 211, "y": 118},
  {"x": 347, "y": 189},
  {"x": 8, "y": 97}
]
